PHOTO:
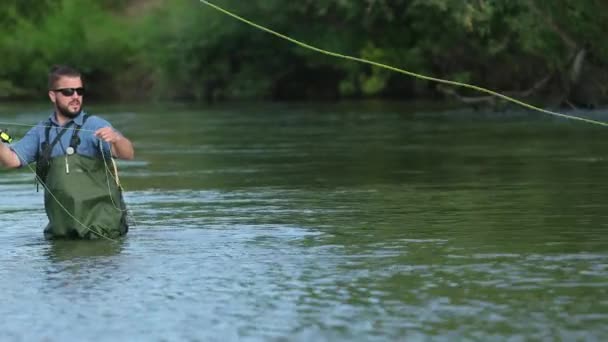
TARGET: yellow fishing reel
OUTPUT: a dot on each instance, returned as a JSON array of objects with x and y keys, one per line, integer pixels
[{"x": 4, "y": 137}]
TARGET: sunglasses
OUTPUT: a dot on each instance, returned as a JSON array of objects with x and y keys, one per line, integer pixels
[{"x": 70, "y": 91}]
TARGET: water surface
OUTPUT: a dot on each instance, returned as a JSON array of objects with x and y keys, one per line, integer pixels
[{"x": 374, "y": 222}]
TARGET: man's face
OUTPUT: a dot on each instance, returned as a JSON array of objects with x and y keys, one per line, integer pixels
[{"x": 66, "y": 96}]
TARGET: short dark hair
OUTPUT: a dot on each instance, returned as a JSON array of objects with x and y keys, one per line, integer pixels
[{"x": 59, "y": 71}]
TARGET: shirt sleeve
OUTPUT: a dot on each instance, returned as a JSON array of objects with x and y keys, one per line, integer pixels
[{"x": 27, "y": 148}]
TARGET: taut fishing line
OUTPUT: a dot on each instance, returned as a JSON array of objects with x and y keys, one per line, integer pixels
[
  {"x": 108, "y": 171},
  {"x": 64, "y": 208},
  {"x": 401, "y": 71},
  {"x": 325, "y": 52},
  {"x": 113, "y": 174}
]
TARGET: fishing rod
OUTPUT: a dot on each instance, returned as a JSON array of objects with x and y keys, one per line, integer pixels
[{"x": 401, "y": 71}]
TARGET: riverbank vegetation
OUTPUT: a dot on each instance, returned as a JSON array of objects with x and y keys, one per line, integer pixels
[{"x": 551, "y": 52}]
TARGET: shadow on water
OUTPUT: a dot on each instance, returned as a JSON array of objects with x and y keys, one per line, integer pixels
[{"x": 67, "y": 250}]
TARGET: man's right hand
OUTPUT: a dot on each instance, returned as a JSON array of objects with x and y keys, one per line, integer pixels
[{"x": 8, "y": 158}]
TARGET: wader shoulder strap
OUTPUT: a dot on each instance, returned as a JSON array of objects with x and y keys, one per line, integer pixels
[{"x": 44, "y": 156}]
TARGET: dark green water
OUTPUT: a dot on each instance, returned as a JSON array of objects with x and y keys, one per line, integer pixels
[{"x": 325, "y": 223}]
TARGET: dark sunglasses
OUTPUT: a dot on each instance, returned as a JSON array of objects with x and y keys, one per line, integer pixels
[{"x": 70, "y": 91}]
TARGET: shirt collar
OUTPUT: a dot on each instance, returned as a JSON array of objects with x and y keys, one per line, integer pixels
[{"x": 77, "y": 120}]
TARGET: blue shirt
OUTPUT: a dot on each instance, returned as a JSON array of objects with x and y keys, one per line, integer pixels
[{"x": 28, "y": 148}]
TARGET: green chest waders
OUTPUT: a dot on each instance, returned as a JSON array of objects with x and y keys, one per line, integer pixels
[{"x": 82, "y": 199}]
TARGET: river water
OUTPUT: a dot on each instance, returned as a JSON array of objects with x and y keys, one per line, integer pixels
[{"x": 351, "y": 222}]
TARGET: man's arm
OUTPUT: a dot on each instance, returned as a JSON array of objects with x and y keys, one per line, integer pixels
[
  {"x": 8, "y": 158},
  {"x": 121, "y": 146},
  {"x": 22, "y": 152}
]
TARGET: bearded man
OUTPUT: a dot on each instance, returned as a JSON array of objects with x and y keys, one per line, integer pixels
[{"x": 72, "y": 151}]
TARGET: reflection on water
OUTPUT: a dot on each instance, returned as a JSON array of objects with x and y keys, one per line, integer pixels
[
  {"x": 327, "y": 223},
  {"x": 66, "y": 250}
]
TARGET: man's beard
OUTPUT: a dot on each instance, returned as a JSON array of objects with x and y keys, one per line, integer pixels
[{"x": 65, "y": 111}]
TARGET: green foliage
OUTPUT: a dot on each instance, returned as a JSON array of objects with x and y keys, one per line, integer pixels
[
  {"x": 181, "y": 49},
  {"x": 96, "y": 42}
]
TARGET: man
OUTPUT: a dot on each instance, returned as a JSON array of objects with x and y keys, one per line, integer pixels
[{"x": 72, "y": 151}]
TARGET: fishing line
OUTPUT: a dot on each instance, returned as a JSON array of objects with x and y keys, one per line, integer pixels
[
  {"x": 325, "y": 52},
  {"x": 115, "y": 178},
  {"x": 63, "y": 207},
  {"x": 107, "y": 171},
  {"x": 113, "y": 175},
  {"x": 401, "y": 71},
  {"x": 7, "y": 123}
]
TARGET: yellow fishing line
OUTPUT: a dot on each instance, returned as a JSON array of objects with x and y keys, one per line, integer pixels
[
  {"x": 108, "y": 171},
  {"x": 395, "y": 69},
  {"x": 65, "y": 209},
  {"x": 338, "y": 55},
  {"x": 43, "y": 126}
]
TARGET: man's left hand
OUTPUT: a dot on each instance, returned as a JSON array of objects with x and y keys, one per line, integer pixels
[{"x": 108, "y": 134}]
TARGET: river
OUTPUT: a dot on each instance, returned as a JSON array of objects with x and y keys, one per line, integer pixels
[{"x": 324, "y": 222}]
